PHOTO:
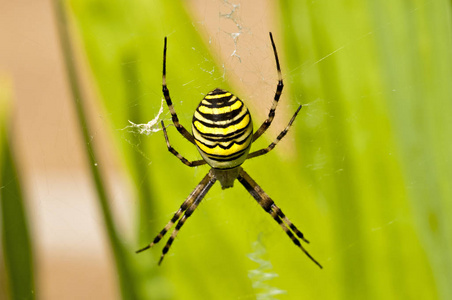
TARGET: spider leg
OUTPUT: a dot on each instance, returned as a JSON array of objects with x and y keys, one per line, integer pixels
[
  {"x": 206, "y": 183},
  {"x": 280, "y": 136},
  {"x": 166, "y": 94},
  {"x": 188, "y": 207},
  {"x": 270, "y": 207},
  {"x": 187, "y": 203},
  {"x": 175, "y": 153},
  {"x": 279, "y": 89}
]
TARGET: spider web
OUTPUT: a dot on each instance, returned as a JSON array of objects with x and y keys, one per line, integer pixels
[{"x": 147, "y": 128}]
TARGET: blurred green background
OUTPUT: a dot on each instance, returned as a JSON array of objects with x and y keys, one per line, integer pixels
[{"x": 364, "y": 172}]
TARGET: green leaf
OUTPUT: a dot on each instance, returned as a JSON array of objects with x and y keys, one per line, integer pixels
[
  {"x": 125, "y": 275},
  {"x": 17, "y": 251}
]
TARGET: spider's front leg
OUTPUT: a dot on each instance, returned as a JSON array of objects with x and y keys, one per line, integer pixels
[
  {"x": 187, "y": 208},
  {"x": 279, "y": 88},
  {"x": 166, "y": 94},
  {"x": 270, "y": 207}
]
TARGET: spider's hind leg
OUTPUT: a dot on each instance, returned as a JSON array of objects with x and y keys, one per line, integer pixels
[
  {"x": 181, "y": 222},
  {"x": 189, "y": 206},
  {"x": 270, "y": 207},
  {"x": 187, "y": 203}
]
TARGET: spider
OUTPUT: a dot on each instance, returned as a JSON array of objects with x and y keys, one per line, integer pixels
[{"x": 222, "y": 131}]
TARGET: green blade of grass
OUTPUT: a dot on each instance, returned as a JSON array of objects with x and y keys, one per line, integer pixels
[
  {"x": 126, "y": 276},
  {"x": 417, "y": 65},
  {"x": 17, "y": 250}
]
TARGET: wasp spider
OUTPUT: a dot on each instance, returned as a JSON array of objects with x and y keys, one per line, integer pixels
[{"x": 222, "y": 131}]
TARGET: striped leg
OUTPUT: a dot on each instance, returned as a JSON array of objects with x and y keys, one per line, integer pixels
[
  {"x": 270, "y": 207},
  {"x": 188, "y": 207},
  {"x": 279, "y": 89},
  {"x": 280, "y": 136},
  {"x": 210, "y": 180},
  {"x": 281, "y": 215},
  {"x": 174, "y": 117},
  {"x": 175, "y": 153}
]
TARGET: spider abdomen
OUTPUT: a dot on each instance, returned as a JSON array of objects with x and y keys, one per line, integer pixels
[{"x": 222, "y": 129}]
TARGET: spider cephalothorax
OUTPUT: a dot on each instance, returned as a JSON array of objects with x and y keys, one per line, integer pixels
[{"x": 222, "y": 130}]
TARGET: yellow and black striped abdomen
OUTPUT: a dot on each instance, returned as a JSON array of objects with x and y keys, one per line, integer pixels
[{"x": 223, "y": 129}]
